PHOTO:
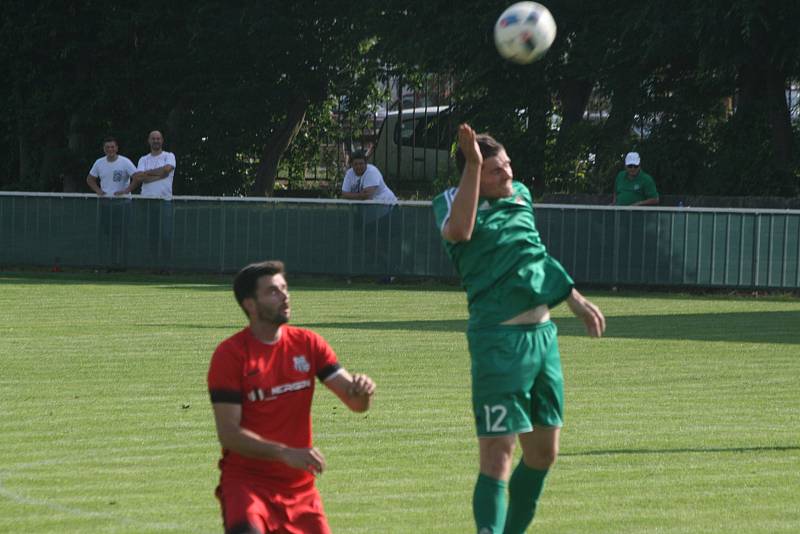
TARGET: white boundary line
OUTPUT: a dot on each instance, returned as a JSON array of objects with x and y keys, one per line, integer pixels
[
  {"x": 18, "y": 498},
  {"x": 338, "y": 201}
]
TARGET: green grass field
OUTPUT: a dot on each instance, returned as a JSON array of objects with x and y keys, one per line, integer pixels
[{"x": 685, "y": 418}]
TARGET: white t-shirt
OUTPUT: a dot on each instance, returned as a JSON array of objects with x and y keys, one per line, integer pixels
[
  {"x": 160, "y": 188},
  {"x": 114, "y": 175},
  {"x": 372, "y": 177}
]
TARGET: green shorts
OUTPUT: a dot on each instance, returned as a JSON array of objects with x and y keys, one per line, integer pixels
[{"x": 516, "y": 378}]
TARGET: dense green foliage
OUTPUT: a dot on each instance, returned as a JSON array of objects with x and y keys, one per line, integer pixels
[
  {"x": 242, "y": 90},
  {"x": 682, "y": 420},
  {"x": 696, "y": 87},
  {"x": 225, "y": 82}
]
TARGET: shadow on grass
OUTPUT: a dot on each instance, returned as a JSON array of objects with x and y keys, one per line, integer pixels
[
  {"x": 745, "y": 327},
  {"x": 165, "y": 281},
  {"x": 748, "y": 327},
  {"x": 221, "y": 282},
  {"x": 429, "y": 326},
  {"x": 181, "y": 280},
  {"x": 688, "y": 450}
]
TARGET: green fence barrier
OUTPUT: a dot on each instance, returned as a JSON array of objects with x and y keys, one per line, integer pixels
[{"x": 733, "y": 248}]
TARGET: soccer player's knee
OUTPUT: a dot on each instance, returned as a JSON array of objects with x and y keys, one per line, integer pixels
[
  {"x": 496, "y": 466},
  {"x": 542, "y": 457},
  {"x": 550, "y": 456},
  {"x": 496, "y": 459}
]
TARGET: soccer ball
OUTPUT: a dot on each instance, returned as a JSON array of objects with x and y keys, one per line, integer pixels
[{"x": 524, "y": 32}]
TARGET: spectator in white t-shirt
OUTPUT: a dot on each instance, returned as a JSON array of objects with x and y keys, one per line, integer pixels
[
  {"x": 112, "y": 171},
  {"x": 363, "y": 181},
  {"x": 109, "y": 177},
  {"x": 155, "y": 170}
]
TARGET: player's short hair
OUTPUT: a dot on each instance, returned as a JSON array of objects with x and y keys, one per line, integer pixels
[
  {"x": 358, "y": 154},
  {"x": 110, "y": 139},
  {"x": 488, "y": 146},
  {"x": 246, "y": 280}
]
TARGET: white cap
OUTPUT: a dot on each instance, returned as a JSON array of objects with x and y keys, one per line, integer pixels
[{"x": 632, "y": 158}]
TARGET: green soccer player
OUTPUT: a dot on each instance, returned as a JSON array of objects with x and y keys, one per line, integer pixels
[{"x": 489, "y": 232}]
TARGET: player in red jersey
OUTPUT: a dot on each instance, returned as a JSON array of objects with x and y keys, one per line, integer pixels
[{"x": 261, "y": 382}]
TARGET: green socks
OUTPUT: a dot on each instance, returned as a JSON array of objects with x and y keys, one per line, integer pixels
[
  {"x": 489, "y": 504},
  {"x": 524, "y": 489}
]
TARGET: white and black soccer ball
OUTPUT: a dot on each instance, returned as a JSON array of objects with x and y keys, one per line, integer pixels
[{"x": 524, "y": 32}]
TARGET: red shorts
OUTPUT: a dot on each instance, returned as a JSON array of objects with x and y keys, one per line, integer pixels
[{"x": 248, "y": 506}]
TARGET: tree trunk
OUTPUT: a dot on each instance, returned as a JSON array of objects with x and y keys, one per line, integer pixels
[
  {"x": 762, "y": 97},
  {"x": 573, "y": 94},
  {"x": 535, "y": 139},
  {"x": 173, "y": 127},
  {"x": 276, "y": 145},
  {"x": 76, "y": 142},
  {"x": 574, "y": 97},
  {"x": 23, "y": 139},
  {"x": 25, "y": 159},
  {"x": 51, "y": 177},
  {"x": 614, "y": 140},
  {"x": 778, "y": 115}
]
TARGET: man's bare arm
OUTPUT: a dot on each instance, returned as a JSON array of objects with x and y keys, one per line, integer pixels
[
  {"x": 366, "y": 194},
  {"x": 92, "y": 182},
  {"x": 153, "y": 175},
  {"x": 461, "y": 223},
  {"x": 590, "y": 314},
  {"x": 233, "y": 437},
  {"x": 355, "y": 391}
]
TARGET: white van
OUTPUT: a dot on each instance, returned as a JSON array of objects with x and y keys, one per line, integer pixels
[{"x": 416, "y": 145}]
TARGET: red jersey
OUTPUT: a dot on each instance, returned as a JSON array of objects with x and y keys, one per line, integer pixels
[{"x": 274, "y": 383}]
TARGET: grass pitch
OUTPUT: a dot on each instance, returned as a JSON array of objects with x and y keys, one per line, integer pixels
[{"x": 684, "y": 418}]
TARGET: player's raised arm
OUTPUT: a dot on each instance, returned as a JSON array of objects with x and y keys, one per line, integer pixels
[
  {"x": 461, "y": 223},
  {"x": 587, "y": 312},
  {"x": 355, "y": 391}
]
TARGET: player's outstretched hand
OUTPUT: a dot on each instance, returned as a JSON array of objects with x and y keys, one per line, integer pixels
[
  {"x": 361, "y": 386},
  {"x": 468, "y": 144},
  {"x": 310, "y": 460},
  {"x": 587, "y": 312}
]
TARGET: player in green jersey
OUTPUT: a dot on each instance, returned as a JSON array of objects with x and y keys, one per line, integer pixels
[{"x": 489, "y": 231}]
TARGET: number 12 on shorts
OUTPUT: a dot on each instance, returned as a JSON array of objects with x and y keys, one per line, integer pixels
[{"x": 495, "y": 415}]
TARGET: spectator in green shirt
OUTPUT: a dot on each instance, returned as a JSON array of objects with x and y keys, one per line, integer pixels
[{"x": 633, "y": 186}]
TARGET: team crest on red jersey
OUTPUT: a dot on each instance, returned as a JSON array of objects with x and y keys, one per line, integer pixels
[{"x": 301, "y": 363}]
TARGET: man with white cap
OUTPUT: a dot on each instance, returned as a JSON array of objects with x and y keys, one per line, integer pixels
[{"x": 633, "y": 186}]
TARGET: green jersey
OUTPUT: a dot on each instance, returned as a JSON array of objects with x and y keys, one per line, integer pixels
[
  {"x": 629, "y": 191},
  {"x": 504, "y": 267}
]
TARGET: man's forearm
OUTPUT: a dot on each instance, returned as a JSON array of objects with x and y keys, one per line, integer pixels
[
  {"x": 155, "y": 174},
  {"x": 465, "y": 204},
  {"x": 92, "y": 182},
  {"x": 248, "y": 443},
  {"x": 355, "y": 196},
  {"x": 359, "y": 404}
]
